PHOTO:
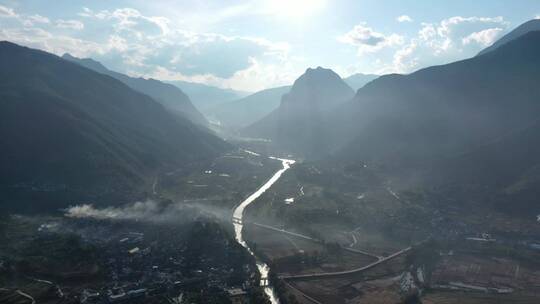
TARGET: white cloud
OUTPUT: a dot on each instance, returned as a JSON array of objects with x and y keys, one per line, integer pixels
[
  {"x": 141, "y": 45},
  {"x": 454, "y": 32},
  {"x": 446, "y": 25},
  {"x": 260, "y": 75},
  {"x": 129, "y": 19},
  {"x": 34, "y": 19},
  {"x": 150, "y": 46},
  {"x": 26, "y": 20},
  {"x": 257, "y": 76},
  {"x": 39, "y": 19},
  {"x": 54, "y": 43},
  {"x": 404, "y": 18},
  {"x": 427, "y": 32},
  {"x": 70, "y": 24},
  {"x": 244, "y": 63},
  {"x": 437, "y": 43},
  {"x": 7, "y": 12},
  {"x": 537, "y": 16},
  {"x": 368, "y": 41},
  {"x": 484, "y": 38},
  {"x": 404, "y": 59}
]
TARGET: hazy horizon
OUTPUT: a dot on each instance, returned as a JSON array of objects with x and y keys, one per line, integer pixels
[{"x": 255, "y": 45}]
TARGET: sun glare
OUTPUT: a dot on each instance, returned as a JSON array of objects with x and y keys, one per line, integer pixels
[{"x": 294, "y": 9}]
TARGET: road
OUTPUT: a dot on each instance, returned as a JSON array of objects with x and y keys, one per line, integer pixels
[
  {"x": 312, "y": 300},
  {"x": 286, "y": 232},
  {"x": 24, "y": 294},
  {"x": 275, "y": 229},
  {"x": 346, "y": 272}
]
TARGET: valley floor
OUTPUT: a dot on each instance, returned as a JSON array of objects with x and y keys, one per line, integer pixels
[
  {"x": 330, "y": 234},
  {"x": 320, "y": 222}
]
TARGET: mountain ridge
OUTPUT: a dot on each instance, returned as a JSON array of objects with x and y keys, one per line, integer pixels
[
  {"x": 71, "y": 134},
  {"x": 358, "y": 80},
  {"x": 531, "y": 25},
  {"x": 247, "y": 110},
  {"x": 206, "y": 97},
  {"x": 458, "y": 82},
  {"x": 170, "y": 96}
]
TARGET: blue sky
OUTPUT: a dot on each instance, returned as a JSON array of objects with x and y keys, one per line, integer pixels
[{"x": 250, "y": 45}]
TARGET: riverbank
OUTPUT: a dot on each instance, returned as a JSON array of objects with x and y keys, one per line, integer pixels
[{"x": 238, "y": 215}]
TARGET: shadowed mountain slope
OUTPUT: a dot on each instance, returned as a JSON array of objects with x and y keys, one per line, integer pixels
[
  {"x": 299, "y": 124},
  {"x": 245, "y": 111},
  {"x": 167, "y": 94},
  {"x": 73, "y": 134},
  {"x": 446, "y": 110},
  {"x": 206, "y": 97}
]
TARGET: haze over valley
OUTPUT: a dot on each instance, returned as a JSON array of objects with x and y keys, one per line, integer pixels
[{"x": 291, "y": 152}]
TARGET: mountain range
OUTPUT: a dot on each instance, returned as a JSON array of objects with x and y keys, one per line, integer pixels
[
  {"x": 433, "y": 113},
  {"x": 206, "y": 97},
  {"x": 181, "y": 97},
  {"x": 168, "y": 95},
  {"x": 70, "y": 134},
  {"x": 445, "y": 110},
  {"x": 470, "y": 126},
  {"x": 246, "y": 111},
  {"x": 474, "y": 121},
  {"x": 75, "y": 127},
  {"x": 358, "y": 80}
]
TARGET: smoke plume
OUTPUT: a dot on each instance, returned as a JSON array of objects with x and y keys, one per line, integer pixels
[{"x": 151, "y": 211}]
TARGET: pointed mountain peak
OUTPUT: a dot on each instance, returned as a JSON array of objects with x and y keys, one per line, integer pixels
[
  {"x": 320, "y": 73},
  {"x": 319, "y": 69},
  {"x": 319, "y": 79},
  {"x": 319, "y": 86},
  {"x": 68, "y": 56}
]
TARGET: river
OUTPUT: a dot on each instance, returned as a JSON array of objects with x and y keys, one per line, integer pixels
[{"x": 238, "y": 215}]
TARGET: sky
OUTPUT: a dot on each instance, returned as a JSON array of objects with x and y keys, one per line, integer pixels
[{"x": 251, "y": 45}]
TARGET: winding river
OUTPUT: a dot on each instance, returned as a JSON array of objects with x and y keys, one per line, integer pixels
[{"x": 238, "y": 215}]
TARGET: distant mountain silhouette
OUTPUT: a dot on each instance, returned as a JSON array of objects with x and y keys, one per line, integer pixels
[
  {"x": 298, "y": 125},
  {"x": 202, "y": 97},
  {"x": 168, "y": 95},
  {"x": 206, "y": 97},
  {"x": 445, "y": 110},
  {"x": 70, "y": 134},
  {"x": 245, "y": 111},
  {"x": 471, "y": 124},
  {"x": 529, "y": 26},
  {"x": 356, "y": 81}
]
